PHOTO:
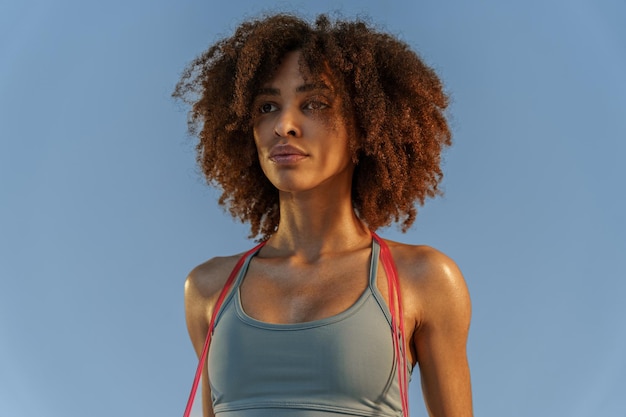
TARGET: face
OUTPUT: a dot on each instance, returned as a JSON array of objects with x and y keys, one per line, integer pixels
[{"x": 301, "y": 138}]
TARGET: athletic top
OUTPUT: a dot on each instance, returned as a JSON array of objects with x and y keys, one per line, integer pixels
[{"x": 340, "y": 365}]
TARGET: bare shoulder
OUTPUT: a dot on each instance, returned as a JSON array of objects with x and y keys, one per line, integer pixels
[
  {"x": 207, "y": 279},
  {"x": 202, "y": 288},
  {"x": 433, "y": 281},
  {"x": 421, "y": 264}
]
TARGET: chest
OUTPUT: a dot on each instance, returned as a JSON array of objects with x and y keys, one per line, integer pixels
[
  {"x": 275, "y": 293},
  {"x": 283, "y": 293}
]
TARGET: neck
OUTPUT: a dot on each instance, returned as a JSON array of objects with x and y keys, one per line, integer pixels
[{"x": 313, "y": 224}]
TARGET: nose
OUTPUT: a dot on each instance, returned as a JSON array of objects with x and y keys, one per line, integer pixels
[{"x": 288, "y": 123}]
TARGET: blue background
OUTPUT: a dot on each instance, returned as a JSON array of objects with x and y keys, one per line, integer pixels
[{"x": 103, "y": 212}]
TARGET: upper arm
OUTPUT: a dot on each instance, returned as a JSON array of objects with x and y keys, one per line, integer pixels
[
  {"x": 440, "y": 336},
  {"x": 197, "y": 307},
  {"x": 202, "y": 288}
]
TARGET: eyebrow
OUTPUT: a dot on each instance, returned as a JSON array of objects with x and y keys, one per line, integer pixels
[
  {"x": 304, "y": 88},
  {"x": 319, "y": 85}
]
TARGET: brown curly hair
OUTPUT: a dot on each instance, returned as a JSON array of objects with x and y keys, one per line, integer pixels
[{"x": 394, "y": 101}]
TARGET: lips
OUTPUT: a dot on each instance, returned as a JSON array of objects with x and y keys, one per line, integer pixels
[{"x": 286, "y": 154}]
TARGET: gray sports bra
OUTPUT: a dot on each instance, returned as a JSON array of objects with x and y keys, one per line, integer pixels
[{"x": 340, "y": 365}]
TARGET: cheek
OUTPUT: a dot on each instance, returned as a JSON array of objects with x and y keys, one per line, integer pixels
[
  {"x": 259, "y": 131},
  {"x": 257, "y": 142},
  {"x": 260, "y": 151}
]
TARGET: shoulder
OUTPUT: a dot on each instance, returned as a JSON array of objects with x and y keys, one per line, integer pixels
[
  {"x": 421, "y": 264},
  {"x": 432, "y": 282},
  {"x": 206, "y": 280},
  {"x": 202, "y": 288}
]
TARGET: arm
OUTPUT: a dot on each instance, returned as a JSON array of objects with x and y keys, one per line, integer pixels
[
  {"x": 197, "y": 326},
  {"x": 440, "y": 336},
  {"x": 202, "y": 288}
]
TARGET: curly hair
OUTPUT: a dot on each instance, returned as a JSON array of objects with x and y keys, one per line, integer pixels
[{"x": 393, "y": 99}]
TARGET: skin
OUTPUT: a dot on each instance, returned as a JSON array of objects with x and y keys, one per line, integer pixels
[{"x": 321, "y": 244}]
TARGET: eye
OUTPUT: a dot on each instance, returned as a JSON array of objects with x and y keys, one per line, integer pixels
[
  {"x": 267, "y": 108},
  {"x": 316, "y": 105}
]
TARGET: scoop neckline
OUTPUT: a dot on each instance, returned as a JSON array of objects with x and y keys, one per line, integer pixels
[
  {"x": 303, "y": 324},
  {"x": 246, "y": 318}
]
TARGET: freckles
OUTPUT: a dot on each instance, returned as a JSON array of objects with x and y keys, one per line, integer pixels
[{"x": 330, "y": 123}]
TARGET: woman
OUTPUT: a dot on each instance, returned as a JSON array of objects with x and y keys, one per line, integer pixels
[{"x": 318, "y": 135}]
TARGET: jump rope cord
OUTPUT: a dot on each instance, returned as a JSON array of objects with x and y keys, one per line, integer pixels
[
  {"x": 397, "y": 324},
  {"x": 394, "y": 296}
]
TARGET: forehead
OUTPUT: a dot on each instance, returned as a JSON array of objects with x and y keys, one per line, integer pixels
[{"x": 293, "y": 71}]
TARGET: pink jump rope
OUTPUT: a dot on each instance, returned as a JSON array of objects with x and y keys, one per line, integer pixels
[{"x": 397, "y": 324}]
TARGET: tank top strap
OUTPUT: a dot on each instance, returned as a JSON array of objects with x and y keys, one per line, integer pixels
[
  {"x": 374, "y": 264},
  {"x": 244, "y": 268},
  {"x": 240, "y": 270}
]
